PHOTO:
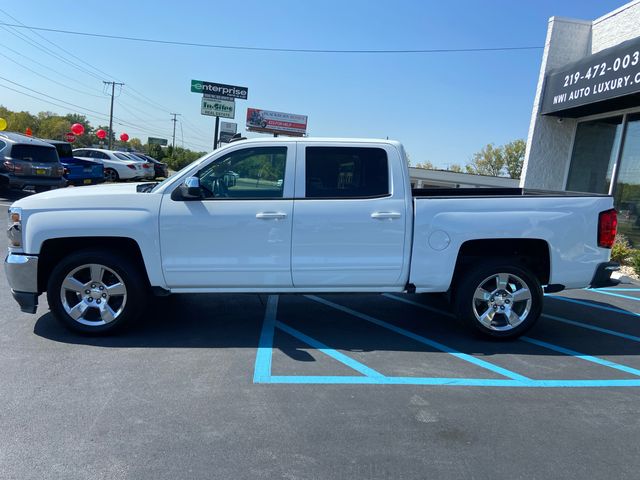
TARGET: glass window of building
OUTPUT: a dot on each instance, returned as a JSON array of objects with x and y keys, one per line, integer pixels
[
  {"x": 627, "y": 188},
  {"x": 594, "y": 153}
]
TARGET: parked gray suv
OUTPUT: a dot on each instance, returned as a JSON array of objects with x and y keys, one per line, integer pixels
[{"x": 28, "y": 162}]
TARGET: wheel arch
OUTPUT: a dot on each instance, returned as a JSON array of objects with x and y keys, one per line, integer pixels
[
  {"x": 533, "y": 254},
  {"x": 53, "y": 250}
]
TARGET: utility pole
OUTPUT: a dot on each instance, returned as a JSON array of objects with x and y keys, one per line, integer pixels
[
  {"x": 216, "y": 133},
  {"x": 113, "y": 91},
  {"x": 173, "y": 143}
]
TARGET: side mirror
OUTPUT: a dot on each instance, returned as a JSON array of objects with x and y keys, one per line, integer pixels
[{"x": 189, "y": 190}]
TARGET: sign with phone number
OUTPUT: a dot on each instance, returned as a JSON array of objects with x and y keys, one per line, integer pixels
[{"x": 611, "y": 73}]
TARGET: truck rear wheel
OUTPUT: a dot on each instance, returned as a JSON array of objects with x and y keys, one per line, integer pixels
[
  {"x": 96, "y": 292},
  {"x": 499, "y": 299}
]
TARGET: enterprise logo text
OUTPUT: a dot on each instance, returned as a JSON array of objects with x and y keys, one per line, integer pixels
[{"x": 219, "y": 89}]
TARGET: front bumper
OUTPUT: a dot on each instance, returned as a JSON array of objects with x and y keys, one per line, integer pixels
[
  {"x": 22, "y": 275},
  {"x": 602, "y": 277}
]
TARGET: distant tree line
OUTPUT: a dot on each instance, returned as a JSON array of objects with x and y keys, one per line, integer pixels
[{"x": 501, "y": 161}]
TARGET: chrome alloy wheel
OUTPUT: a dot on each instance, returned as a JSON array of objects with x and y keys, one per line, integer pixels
[
  {"x": 502, "y": 301},
  {"x": 93, "y": 295}
]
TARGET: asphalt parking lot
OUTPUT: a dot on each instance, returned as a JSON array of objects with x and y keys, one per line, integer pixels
[{"x": 322, "y": 386}]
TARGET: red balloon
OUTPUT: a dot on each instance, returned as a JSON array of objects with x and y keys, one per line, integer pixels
[
  {"x": 101, "y": 134},
  {"x": 28, "y": 132},
  {"x": 124, "y": 137},
  {"x": 77, "y": 129}
]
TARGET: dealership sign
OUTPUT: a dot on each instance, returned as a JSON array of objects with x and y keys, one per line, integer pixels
[
  {"x": 218, "y": 108},
  {"x": 276, "y": 122},
  {"x": 606, "y": 75},
  {"x": 219, "y": 89},
  {"x": 157, "y": 141}
]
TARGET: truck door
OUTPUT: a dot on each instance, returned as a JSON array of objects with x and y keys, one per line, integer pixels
[
  {"x": 350, "y": 217},
  {"x": 239, "y": 234}
]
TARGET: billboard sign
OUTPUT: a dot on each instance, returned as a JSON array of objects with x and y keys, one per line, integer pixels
[
  {"x": 220, "y": 89},
  {"x": 218, "y": 108},
  {"x": 276, "y": 122}
]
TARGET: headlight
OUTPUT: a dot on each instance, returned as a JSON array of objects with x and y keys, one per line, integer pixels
[{"x": 14, "y": 232}]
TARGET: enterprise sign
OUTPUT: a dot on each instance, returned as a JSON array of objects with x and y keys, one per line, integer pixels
[
  {"x": 219, "y": 89},
  {"x": 606, "y": 75}
]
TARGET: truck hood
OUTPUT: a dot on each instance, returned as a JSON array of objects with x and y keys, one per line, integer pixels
[{"x": 105, "y": 196}]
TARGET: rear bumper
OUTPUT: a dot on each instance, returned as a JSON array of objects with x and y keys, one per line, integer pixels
[
  {"x": 21, "y": 182},
  {"x": 85, "y": 181},
  {"x": 22, "y": 275},
  {"x": 602, "y": 277}
]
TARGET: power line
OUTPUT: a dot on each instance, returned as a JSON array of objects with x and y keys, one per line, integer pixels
[{"x": 267, "y": 49}]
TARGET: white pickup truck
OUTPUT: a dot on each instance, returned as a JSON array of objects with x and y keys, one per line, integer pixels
[{"x": 304, "y": 215}]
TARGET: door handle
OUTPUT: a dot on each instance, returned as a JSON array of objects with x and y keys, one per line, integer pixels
[
  {"x": 385, "y": 215},
  {"x": 271, "y": 215}
]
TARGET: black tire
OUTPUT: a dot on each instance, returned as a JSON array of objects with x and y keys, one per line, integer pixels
[
  {"x": 498, "y": 325},
  {"x": 110, "y": 175},
  {"x": 117, "y": 269}
]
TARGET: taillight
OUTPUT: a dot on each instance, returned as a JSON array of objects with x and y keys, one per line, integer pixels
[
  {"x": 66, "y": 171},
  {"x": 147, "y": 165},
  {"x": 132, "y": 167},
  {"x": 607, "y": 227}
]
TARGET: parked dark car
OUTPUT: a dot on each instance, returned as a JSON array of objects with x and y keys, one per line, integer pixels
[
  {"x": 77, "y": 171},
  {"x": 161, "y": 169},
  {"x": 29, "y": 162}
]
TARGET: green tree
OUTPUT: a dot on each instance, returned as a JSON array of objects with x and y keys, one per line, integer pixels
[
  {"x": 454, "y": 167},
  {"x": 488, "y": 161},
  {"x": 513, "y": 153},
  {"x": 135, "y": 144},
  {"x": 427, "y": 165}
]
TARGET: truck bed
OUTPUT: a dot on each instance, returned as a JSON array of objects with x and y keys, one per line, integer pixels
[{"x": 496, "y": 192}]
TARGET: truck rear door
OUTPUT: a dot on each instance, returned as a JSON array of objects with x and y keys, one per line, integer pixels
[{"x": 350, "y": 216}]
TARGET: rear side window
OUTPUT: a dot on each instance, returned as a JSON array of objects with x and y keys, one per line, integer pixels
[
  {"x": 34, "y": 153},
  {"x": 122, "y": 156},
  {"x": 346, "y": 172}
]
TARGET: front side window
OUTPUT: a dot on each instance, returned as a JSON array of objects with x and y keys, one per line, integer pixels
[
  {"x": 249, "y": 173},
  {"x": 346, "y": 172}
]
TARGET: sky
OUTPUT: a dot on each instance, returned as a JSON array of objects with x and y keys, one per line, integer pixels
[{"x": 442, "y": 106}]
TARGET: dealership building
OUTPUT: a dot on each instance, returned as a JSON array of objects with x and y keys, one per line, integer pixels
[{"x": 585, "y": 126}]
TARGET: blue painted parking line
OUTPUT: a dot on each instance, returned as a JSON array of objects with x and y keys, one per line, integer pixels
[
  {"x": 629, "y": 297},
  {"x": 262, "y": 370},
  {"x": 592, "y": 327},
  {"x": 582, "y": 356},
  {"x": 450, "y": 382},
  {"x": 594, "y": 305},
  {"x": 616, "y": 289},
  {"x": 421, "y": 339},
  {"x": 369, "y": 376},
  {"x": 342, "y": 358}
]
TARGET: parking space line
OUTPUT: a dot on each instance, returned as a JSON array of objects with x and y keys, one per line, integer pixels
[
  {"x": 340, "y": 357},
  {"x": 453, "y": 382},
  {"x": 589, "y": 304},
  {"x": 602, "y": 292},
  {"x": 616, "y": 289},
  {"x": 582, "y": 356},
  {"x": 593, "y": 327},
  {"x": 262, "y": 370},
  {"x": 426, "y": 341}
]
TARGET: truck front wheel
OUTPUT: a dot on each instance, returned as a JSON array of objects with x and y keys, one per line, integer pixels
[
  {"x": 96, "y": 292},
  {"x": 498, "y": 299}
]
